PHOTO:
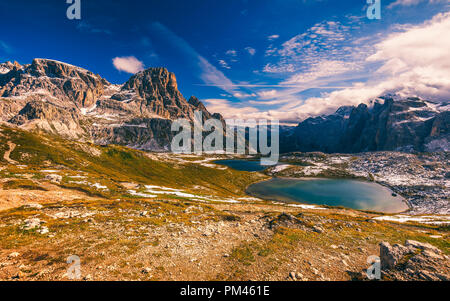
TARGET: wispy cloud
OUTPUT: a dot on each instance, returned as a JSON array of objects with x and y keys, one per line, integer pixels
[
  {"x": 414, "y": 2},
  {"x": 231, "y": 52},
  {"x": 250, "y": 50},
  {"x": 85, "y": 26},
  {"x": 209, "y": 74},
  {"x": 306, "y": 50},
  {"x": 241, "y": 95},
  {"x": 128, "y": 64},
  {"x": 410, "y": 60},
  {"x": 5, "y": 47},
  {"x": 224, "y": 64},
  {"x": 273, "y": 37}
]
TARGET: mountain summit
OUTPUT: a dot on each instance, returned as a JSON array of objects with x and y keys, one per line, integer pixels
[
  {"x": 75, "y": 103},
  {"x": 389, "y": 123}
]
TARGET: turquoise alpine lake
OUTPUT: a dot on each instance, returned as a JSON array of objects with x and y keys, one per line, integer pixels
[
  {"x": 332, "y": 192},
  {"x": 243, "y": 165}
]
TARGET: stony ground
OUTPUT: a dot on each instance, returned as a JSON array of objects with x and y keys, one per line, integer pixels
[{"x": 169, "y": 240}]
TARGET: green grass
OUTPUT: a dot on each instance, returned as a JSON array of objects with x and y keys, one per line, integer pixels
[
  {"x": 22, "y": 184},
  {"x": 116, "y": 164}
]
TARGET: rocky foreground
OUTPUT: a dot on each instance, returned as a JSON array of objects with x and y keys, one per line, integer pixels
[{"x": 414, "y": 261}]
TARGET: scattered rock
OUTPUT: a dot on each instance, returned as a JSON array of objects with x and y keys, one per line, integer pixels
[
  {"x": 34, "y": 206},
  {"x": 293, "y": 276},
  {"x": 19, "y": 275},
  {"x": 14, "y": 255},
  {"x": 285, "y": 220},
  {"x": 413, "y": 261},
  {"x": 318, "y": 229},
  {"x": 31, "y": 223},
  {"x": 53, "y": 178},
  {"x": 300, "y": 277},
  {"x": 422, "y": 246}
]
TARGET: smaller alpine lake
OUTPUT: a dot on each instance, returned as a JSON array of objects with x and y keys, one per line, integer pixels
[
  {"x": 243, "y": 165},
  {"x": 332, "y": 192}
]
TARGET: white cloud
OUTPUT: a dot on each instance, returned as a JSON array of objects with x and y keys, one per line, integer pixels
[
  {"x": 322, "y": 68},
  {"x": 273, "y": 37},
  {"x": 411, "y": 61},
  {"x": 243, "y": 95},
  {"x": 414, "y": 2},
  {"x": 324, "y": 40},
  {"x": 279, "y": 68},
  {"x": 88, "y": 27},
  {"x": 250, "y": 50},
  {"x": 224, "y": 64},
  {"x": 231, "y": 52},
  {"x": 128, "y": 64},
  {"x": 414, "y": 62},
  {"x": 268, "y": 94},
  {"x": 228, "y": 109}
]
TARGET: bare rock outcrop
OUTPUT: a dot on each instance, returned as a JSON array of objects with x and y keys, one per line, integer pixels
[
  {"x": 414, "y": 261},
  {"x": 389, "y": 123},
  {"x": 75, "y": 103}
]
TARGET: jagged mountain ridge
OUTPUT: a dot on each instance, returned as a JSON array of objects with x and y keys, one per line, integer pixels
[
  {"x": 75, "y": 103},
  {"x": 389, "y": 123}
]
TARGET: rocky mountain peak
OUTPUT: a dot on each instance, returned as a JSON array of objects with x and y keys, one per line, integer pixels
[
  {"x": 389, "y": 122},
  {"x": 196, "y": 103},
  {"x": 73, "y": 102},
  {"x": 9, "y": 66},
  {"x": 345, "y": 111},
  {"x": 152, "y": 79}
]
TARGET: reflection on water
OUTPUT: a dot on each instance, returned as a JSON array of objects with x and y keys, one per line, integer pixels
[{"x": 333, "y": 192}]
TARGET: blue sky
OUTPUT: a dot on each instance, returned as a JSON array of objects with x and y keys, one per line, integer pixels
[{"x": 282, "y": 59}]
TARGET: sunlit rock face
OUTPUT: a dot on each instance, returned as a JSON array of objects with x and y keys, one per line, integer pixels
[{"x": 75, "y": 103}]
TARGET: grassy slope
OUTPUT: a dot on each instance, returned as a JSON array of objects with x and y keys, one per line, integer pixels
[{"x": 116, "y": 164}]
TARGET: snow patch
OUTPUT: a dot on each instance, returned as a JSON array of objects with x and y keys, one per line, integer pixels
[{"x": 437, "y": 220}]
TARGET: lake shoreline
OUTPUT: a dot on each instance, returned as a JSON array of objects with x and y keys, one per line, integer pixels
[
  {"x": 274, "y": 199},
  {"x": 392, "y": 190}
]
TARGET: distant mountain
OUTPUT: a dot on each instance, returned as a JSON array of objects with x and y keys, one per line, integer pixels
[
  {"x": 75, "y": 103},
  {"x": 389, "y": 123}
]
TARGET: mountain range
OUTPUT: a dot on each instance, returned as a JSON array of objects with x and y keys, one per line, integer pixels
[
  {"x": 74, "y": 103},
  {"x": 388, "y": 123}
]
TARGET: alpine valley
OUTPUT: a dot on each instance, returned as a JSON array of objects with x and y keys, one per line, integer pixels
[{"x": 86, "y": 170}]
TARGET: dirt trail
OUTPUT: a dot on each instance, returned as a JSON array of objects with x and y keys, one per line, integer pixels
[
  {"x": 18, "y": 197},
  {"x": 12, "y": 146}
]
